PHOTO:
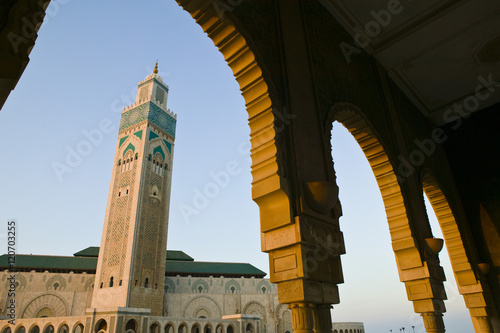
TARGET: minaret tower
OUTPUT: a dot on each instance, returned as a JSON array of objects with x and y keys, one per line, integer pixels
[{"x": 131, "y": 265}]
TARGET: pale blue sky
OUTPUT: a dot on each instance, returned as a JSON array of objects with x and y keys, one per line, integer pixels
[{"x": 86, "y": 64}]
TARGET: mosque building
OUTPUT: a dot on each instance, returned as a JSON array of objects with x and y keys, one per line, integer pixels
[{"x": 131, "y": 283}]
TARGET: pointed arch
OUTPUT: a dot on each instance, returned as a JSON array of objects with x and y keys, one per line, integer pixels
[
  {"x": 475, "y": 292},
  {"x": 423, "y": 278},
  {"x": 403, "y": 243}
]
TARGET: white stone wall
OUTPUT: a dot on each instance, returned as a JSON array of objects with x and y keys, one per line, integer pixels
[
  {"x": 192, "y": 297},
  {"x": 186, "y": 300}
]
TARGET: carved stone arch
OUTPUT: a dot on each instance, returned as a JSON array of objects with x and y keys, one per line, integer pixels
[
  {"x": 56, "y": 279},
  {"x": 415, "y": 269},
  {"x": 232, "y": 287},
  {"x": 202, "y": 312},
  {"x": 255, "y": 308},
  {"x": 263, "y": 284},
  {"x": 199, "y": 283},
  {"x": 404, "y": 245},
  {"x": 268, "y": 185},
  {"x": 52, "y": 301},
  {"x": 476, "y": 293},
  {"x": 202, "y": 301},
  {"x": 20, "y": 282},
  {"x": 169, "y": 285},
  {"x": 88, "y": 286}
]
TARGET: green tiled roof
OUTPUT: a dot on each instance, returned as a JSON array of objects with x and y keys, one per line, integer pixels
[
  {"x": 50, "y": 262},
  {"x": 93, "y": 252},
  {"x": 178, "y": 255},
  {"x": 195, "y": 268},
  {"x": 178, "y": 263}
]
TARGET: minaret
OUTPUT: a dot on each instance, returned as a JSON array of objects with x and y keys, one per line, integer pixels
[{"x": 131, "y": 265}]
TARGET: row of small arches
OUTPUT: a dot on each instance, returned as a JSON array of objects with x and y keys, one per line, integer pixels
[
  {"x": 112, "y": 282},
  {"x": 195, "y": 328},
  {"x": 78, "y": 328},
  {"x": 127, "y": 163},
  {"x": 158, "y": 165},
  {"x": 357, "y": 330}
]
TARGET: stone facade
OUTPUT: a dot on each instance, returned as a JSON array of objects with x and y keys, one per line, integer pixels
[{"x": 208, "y": 303}]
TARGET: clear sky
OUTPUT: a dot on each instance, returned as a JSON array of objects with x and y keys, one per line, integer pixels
[{"x": 85, "y": 67}]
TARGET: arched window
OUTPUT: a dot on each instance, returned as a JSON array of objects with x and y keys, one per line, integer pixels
[
  {"x": 49, "y": 329},
  {"x": 131, "y": 325},
  {"x": 233, "y": 289},
  {"x": 136, "y": 283},
  {"x": 263, "y": 290},
  {"x": 78, "y": 329},
  {"x": 101, "y": 325},
  {"x": 154, "y": 328},
  {"x": 111, "y": 282},
  {"x": 119, "y": 162},
  {"x": 101, "y": 285},
  {"x": 149, "y": 157},
  {"x": 249, "y": 328},
  {"x": 63, "y": 329},
  {"x": 200, "y": 289},
  {"x": 230, "y": 329},
  {"x": 56, "y": 285},
  {"x": 136, "y": 155},
  {"x": 120, "y": 283},
  {"x": 35, "y": 329},
  {"x": 20, "y": 329},
  {"x": 146, "y": 283},
  {"x": 207, "y": 329}
]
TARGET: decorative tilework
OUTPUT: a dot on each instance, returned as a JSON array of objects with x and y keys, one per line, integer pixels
[
  {"x": 130, "y": 146},
  {"x": 122, "y": 140},
  {"x": 138, "y": 134},
  {"x": 159, "y": 150},
  {"x": 151, "y": 112},
  {"x": 152, "y": 135},
  {"x": 169, "y": 145}
]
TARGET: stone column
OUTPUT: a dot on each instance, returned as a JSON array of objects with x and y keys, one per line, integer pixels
[
  {"x": 433, "y": 322},
  {"x": 302, "y": 317},
  {"x": 484, "y": 324},
  {"x": 322, "y": 318}
]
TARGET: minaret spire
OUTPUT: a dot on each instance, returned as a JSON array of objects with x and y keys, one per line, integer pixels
[{"x": 156, "y": 67}]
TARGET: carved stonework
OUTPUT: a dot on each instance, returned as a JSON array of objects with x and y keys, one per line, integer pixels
[
  {"x": 302, "y": 317},
  {"x": 433, "y": 322},
  {"x": 484, "y": 324}
]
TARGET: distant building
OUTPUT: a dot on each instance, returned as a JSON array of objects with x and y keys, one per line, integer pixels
[{"x": 348, "y": 327}]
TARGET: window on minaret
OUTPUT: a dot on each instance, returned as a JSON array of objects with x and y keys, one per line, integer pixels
[
  {"x": 120, "y": 283},
  {"x": 111, "y": 282},
  {"x": 200, "y": 289},
  {"x": 136, "y": 155},
  {"x": 146, "y": 283}
]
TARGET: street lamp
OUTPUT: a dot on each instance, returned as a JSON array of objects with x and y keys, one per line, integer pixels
[{"x": 413, "y": 329}]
